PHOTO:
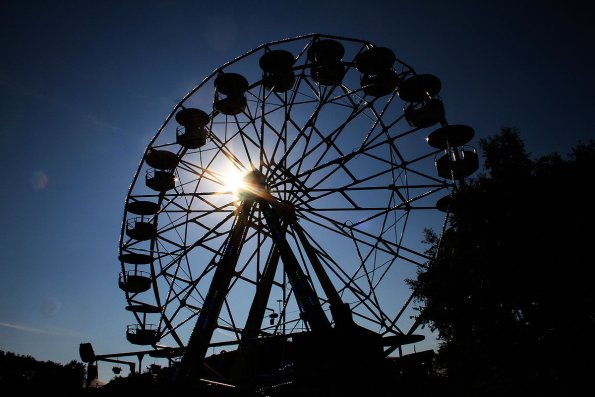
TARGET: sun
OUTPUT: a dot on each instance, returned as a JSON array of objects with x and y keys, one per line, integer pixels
[{"x": 233, "y": 182}]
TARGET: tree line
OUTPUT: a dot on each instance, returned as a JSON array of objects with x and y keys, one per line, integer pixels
[
  {"x": 24, "y": 375},
  {"x": 509, "y": 290}
]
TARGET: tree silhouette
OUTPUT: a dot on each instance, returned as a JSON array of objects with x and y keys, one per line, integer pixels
[
  {"x": 510, "y": 288},
  {"x": 23, "y": 375}
]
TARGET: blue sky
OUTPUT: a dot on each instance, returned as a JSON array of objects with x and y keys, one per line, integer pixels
[{"x": 85, "y": 85}]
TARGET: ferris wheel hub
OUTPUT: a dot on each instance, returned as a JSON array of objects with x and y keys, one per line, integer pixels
[{"x": 254, "y": 186}]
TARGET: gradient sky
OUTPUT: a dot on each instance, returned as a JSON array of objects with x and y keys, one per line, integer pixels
[{"x": 85, "y": 85}]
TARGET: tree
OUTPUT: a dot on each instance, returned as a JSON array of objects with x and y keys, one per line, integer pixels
[
  {"x": 23, "y": 375},
  {"x": 509, "y": 290}
]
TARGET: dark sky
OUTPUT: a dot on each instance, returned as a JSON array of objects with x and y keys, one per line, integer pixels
[{"x": 84, "y": 86}]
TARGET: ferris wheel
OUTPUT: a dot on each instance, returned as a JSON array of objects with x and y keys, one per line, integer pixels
[{"x": 287, "y": 194}]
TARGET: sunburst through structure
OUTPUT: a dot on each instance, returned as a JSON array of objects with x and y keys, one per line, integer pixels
[{"x": 289, "y": 211}]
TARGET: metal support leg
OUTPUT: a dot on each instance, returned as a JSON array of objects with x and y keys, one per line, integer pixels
[
  {"x": 261, "y": 297},
  {"x": 308, "y": 302},
  {"x": 340, "y": 311},
  {"x": 200, "y": 339}
]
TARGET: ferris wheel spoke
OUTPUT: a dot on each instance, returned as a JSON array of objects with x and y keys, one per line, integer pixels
[
  {"x": 280, "y": 134},
  {"x": 329, "y": 141},
  {"x": 303, "y": 262},
  {"x": 281, "y": 138},
  {"x": 349, "y": 95},
  {"x": 353, "y": 183},
  {"x": 363, "y": 299},
  {"x": 382, "y": 231},
  {"x": 381, "y": 211},
  {"x": 198, "y": 173},
  {"x": 367, "y": 318},
  {"x": 211, "y": 234},
  {"x": 378, "y": 118},
  {"x": 175, "y": 278},
  {"x": 338, "y": 228},
  {"x": 330, "y": 263},
  {"x": 260, "y": 132},
  {"x": 393, "y": 322},
  {"x": 245, "y": 136},
  {"x": 185, "y": 320},
  {"x": 345, "y": 229},
  {"x": 300, "y": 134},
  {"x": 174, "y": 296},
  {"x": 365, "y": 302},
  {"x": 257, "y": 122},
  {"x": 312, "y": 88},
  {"x": 383, "y": 274},
  {"x": 365, "y": 273},
  {"x": 405, "y": 205},
  {"x": 173, "y": 332},
  {"x": 214, "y": 264},
  {"x": 227, "y": 153},
  {"x": 183, "y": 221},
  {"x": 239, "y": 272},
  {"x": 372, "y": 294},
  {"x": 233, "y": 326},
  {"x": 329, "y": 192}
]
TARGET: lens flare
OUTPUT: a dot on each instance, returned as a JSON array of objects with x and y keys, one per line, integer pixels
[
  {"x": 233, "y": 182},
  {"x": 39, "y": 180}
]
